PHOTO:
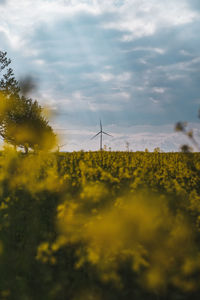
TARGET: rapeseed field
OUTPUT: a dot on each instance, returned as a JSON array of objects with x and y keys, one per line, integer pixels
[{"x": 99, "y": 225}]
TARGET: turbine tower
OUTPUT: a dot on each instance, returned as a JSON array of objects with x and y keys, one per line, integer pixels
[{"x": 101, "y": 132}]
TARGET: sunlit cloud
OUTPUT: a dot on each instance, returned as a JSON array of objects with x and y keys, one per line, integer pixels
[{"x": 129, "y": 62}]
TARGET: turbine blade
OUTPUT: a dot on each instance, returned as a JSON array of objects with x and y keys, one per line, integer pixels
[
  {"x": 95, "y": 135},
  {"x": 100, "y": 125},
  {"x": 107, "y": 133}
]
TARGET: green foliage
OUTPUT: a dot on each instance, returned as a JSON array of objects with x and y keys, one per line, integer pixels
[{"x": 21, "y": 120}]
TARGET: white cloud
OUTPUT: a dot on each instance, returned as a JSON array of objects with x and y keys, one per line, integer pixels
[
  {"x": 150, "y": 49},
  {"x": 108, "y": 76},
  {"x": 19, "y": 18},
  {"x": 144, "y": 18},
  {"x": 159, "y": 90},
  {"x": 105, "y": 76},
  {"x": 124, "y": 95},
  {"x": 181, "y": 68},
  {"x": 185, "y": 53},
  {"x": 138, "y": 18},
  {"x": 108, "y": 67}
]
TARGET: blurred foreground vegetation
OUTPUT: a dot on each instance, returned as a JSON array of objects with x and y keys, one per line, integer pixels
[{"x": 99, "y": 225}]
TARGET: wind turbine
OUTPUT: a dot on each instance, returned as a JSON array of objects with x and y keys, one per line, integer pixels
[{"x": 101, "y": 132}]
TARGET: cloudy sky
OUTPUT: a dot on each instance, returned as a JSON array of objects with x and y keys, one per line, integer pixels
[{"x": 134, "y": 63}]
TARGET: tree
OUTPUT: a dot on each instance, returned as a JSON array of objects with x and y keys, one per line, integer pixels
[
  {"x": 157, "y": 150},
  {"x": 8, "y": 83},
  {"x": 21, "y": 121}
]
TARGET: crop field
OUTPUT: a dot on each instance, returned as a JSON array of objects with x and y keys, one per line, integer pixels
[{"x": 99, "y": 225}]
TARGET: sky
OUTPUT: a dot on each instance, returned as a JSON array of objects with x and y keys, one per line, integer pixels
[{"x": 134, "y": 64}]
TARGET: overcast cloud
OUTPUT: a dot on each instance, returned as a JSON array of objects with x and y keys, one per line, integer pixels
[{"x": 131, "y": 63}]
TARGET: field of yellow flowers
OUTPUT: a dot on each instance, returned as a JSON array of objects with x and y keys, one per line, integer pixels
[{"x": 99, "y": 225}]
